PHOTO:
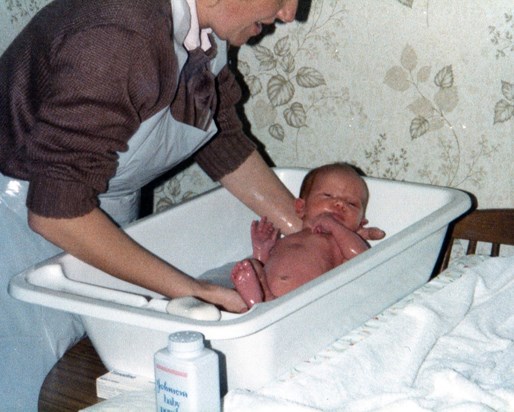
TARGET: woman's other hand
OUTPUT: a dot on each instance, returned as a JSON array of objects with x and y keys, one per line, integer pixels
[
  {"x": 371, "y": 233},
  {"x": 225, "y": 298}
]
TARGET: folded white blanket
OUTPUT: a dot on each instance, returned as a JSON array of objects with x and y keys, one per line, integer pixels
[{"x": 451, "y": 349}]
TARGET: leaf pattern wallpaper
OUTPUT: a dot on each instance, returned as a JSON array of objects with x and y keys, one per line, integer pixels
[
  {"x": 415, "y": 90},
  {"x": 402, "y": 100}
]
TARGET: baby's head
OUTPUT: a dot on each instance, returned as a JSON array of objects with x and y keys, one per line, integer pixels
[{"x": 335, "y": 188}]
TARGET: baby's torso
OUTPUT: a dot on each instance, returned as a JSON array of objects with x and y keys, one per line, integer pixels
[{"x": 299, "y": 258}]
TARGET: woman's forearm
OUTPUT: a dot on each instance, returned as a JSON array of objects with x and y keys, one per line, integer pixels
[
  {"x": 255, "y": 184},
  {"x": 94, "y": 239}
]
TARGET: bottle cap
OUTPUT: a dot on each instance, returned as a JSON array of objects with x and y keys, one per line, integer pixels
[{"x": 185, "y": 341}]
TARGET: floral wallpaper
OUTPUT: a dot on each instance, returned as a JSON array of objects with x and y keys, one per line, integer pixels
[
  {"x": 417, "y": 90},
  {"x": 409, "y": 90}
]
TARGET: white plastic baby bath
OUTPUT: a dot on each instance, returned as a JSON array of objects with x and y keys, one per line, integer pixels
[{"x": 128, "y": 324}]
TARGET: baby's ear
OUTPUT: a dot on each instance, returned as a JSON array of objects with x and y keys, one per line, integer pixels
[
  {"x": 364, "y": 222},
  {"x": 299, "y": 207}
]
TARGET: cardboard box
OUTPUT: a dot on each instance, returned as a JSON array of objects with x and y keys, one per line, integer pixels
[{"x": 114, "y": 383}]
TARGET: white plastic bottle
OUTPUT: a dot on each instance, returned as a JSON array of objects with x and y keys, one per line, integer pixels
[{"x": 187, "y": 375}]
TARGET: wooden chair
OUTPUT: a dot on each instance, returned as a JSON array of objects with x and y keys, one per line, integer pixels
[{"x": 495, "y": 226}]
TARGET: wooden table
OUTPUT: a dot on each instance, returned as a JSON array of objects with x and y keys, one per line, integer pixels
[{"x": 71, "y": 384}]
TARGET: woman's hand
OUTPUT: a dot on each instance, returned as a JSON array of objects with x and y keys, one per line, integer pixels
[
  {"x": 224, "y": 298},
  {"x": 371, "y": 233}
]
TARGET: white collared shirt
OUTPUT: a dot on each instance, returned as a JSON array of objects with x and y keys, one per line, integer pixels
[{"x": 196, "y": 37}]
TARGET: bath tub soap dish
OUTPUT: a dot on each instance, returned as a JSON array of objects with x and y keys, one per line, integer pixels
[{"x": 193, "y": 308}]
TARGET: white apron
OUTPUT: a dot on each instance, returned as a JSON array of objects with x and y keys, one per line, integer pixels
[
  {"x": 33, "y": 338},
  {"x": 161, "y": 142}
]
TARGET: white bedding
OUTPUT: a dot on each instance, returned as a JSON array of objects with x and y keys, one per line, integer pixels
[{"x": 449, "y": 346}]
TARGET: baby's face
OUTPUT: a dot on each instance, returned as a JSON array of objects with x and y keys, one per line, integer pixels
[{"x": 341, "y": 194}]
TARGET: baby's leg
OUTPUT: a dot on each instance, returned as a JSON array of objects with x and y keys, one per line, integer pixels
[{"x": 246, "y": 281}]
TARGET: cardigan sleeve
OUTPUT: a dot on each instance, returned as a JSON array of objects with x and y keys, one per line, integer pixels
[{"x": 97, "y": 85}]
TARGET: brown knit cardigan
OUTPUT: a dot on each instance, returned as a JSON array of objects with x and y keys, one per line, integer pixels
[{"x": 76, "y": 84}]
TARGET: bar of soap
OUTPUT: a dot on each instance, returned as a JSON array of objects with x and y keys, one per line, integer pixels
[{"x": 193, "y": 308}]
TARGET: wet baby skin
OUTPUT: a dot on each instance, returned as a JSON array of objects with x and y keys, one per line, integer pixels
[{"x": 332, "y": 214}]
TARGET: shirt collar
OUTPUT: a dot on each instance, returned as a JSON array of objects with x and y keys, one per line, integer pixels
[{"x": 196, "y": 37}]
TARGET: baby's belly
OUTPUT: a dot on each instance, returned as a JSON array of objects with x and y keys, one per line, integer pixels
[{"x": 296, "y": 266}]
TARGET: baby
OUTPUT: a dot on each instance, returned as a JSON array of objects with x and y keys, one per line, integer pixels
[{"x": 332, "y": 206}]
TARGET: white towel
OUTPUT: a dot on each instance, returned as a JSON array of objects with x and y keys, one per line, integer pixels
[
  {"x": 449, "y": 350},
  {"x": 136, "y": 401}
]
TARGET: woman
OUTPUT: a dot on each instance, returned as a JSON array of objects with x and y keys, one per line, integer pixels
[{"x": 98, "y": 98}]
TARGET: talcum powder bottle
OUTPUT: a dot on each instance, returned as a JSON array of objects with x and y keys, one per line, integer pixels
[{"x": 187, "y": 375}]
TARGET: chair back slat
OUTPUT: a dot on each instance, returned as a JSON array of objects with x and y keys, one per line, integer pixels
[
  {"x": 472, "y": 247},
  {"x": 495, "y": 226}
]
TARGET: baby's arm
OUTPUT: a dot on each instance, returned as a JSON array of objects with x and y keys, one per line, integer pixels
[
  {"x": 350, "y": 243},
  {"x": 264, "y": 236}
]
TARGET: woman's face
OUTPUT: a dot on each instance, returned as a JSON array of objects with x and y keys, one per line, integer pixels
[{"x": 238, "y": 20}]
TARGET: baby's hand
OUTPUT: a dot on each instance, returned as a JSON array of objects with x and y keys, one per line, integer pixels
[
  {"x": 326, "y": 223},
  {"x": 264, "y": 236}
]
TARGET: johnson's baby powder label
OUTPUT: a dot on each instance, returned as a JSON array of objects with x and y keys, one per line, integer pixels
[{"x": 186, "y": 375}]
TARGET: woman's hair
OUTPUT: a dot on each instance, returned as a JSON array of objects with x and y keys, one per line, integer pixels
[{"x": 310, "y": 177}]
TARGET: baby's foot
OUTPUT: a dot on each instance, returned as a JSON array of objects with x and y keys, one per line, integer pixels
[{"x": 247, "y": 283}]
